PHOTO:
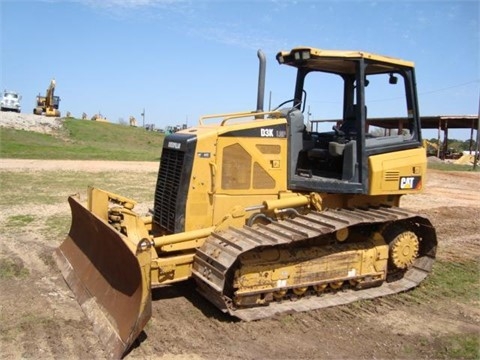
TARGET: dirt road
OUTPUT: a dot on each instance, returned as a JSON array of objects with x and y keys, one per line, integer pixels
[{"x": 40, "y": 319}]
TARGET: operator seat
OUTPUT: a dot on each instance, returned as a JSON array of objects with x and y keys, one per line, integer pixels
[
  {"x": 345, "y": 147},
  {"x": 295, "y": 133},
  {"x": 348, "y": 127}
]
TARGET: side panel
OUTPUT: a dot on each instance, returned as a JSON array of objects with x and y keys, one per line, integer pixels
[
  {"x": 250, "y": 170},
  {"x": 251, "y": 166},
  {"x": 401, "y": 172},
  {"x": 199, "y": 202}
]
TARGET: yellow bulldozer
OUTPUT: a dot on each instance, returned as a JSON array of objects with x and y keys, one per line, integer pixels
[
  {"x": 266, "y": 214},
  {"x": 49, "y": 103}
]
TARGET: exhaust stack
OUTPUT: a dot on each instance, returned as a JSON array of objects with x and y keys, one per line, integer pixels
[{"x": 261, "y": 82}]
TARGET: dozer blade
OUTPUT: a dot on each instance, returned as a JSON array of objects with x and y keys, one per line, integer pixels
[{"x": 110, "y": 277}]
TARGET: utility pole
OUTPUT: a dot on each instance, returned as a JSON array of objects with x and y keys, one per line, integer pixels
[
  {"x": 143, "y": 117},
  {"x": 477, "y": 148}
]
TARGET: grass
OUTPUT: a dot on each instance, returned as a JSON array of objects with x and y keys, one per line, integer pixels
[
  {"x": 452, "y": 346},
  {"x": 453, "y": 280},
  {"x": 451, "y": 167},
  {"x": 19, "y": 220},
  {"x": 83, "y": 140},
  {"x": 45, "y": 195},
  {"x": 56, "y": 226},
  {"x": 464, "y": 346},
  {"x": 458, "y": 282},
  {"x": 53, "y": 187},
  {"x": 12, "y": 269}
]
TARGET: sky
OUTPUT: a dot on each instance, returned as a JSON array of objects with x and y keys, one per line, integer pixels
[{"x": 180, "y": 60}]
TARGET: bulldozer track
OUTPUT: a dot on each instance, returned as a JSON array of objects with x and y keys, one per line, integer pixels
[{"x": 221, "y": 250}]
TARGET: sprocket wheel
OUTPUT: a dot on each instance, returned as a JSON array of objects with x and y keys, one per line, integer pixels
[{"x": 404, "y": 249}]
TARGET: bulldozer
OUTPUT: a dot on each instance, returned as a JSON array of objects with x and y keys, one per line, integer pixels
[
  {"x": 49, "y": 103},
  {"x": 262, "y": 213}
]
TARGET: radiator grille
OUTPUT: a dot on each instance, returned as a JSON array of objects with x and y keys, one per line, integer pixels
[{"x": 167, "y": 190}]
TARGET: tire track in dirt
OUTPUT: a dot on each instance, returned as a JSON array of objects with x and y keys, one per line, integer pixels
[{"x": 48, "y": 328}]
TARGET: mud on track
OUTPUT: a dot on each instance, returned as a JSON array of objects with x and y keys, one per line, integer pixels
[{"x": 40, "y": 319}]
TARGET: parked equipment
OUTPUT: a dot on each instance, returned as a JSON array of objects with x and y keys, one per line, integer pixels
[
  {"x": 259, "y": 210},
  {"x": 99, "y": 117},
  {"x": 10, "y": 101},
  {"x": 49, "y": 103},
  {"x": 431, "y": 148}
]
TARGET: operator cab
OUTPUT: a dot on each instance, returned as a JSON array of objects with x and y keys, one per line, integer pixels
[
  {"x": 329, "y": 152},
  {"x": 56, "y": 102}
]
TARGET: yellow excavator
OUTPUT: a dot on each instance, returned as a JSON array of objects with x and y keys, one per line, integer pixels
[
  {"x": 431, "y": 148},
  {"x": 266, "y": 214},
  {"x": 49, "y": 103}
]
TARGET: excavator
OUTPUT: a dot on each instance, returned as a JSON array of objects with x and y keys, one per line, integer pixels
[
  {"x": 49, "y": 103},
  {"x": 263, "y": 214}
]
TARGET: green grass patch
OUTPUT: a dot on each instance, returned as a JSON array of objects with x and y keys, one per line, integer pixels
[
  {"x": 460, "y": 346},
  {"x": 84, "y": 140},
  {"x": 19, "y": 220},
  {"x": 451, "y": 167},
  {"x": 451, "y": 346},
  {"x": 453, "y": 280},
  {"x": 56, "y": 226},
  {"x": 10, "y": 269},
  {"x": 53, "y": 187}
]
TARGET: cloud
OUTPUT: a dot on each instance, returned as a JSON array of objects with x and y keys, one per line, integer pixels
[
  {"x": 139, "y": 9},
  {"x": 129, "y": 4},
  {"x": 237, "y": 38},
  {"x": 196, "y": 19}
]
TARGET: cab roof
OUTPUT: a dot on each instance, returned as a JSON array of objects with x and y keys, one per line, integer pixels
[{"x": 336, "y": 61}]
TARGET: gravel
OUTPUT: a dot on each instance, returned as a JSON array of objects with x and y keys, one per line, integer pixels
[{"x": 30, "y": 122}]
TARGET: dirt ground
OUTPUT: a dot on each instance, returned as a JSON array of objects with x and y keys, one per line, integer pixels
[{"x": 39, "y": 318}]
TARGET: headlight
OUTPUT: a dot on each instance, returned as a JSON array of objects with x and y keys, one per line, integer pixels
[
  {"x": 305, "y": 55},
  {"x": 302, "y": 55}
]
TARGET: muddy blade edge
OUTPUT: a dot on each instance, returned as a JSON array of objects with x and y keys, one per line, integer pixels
[{"x": 110, "y": 282}]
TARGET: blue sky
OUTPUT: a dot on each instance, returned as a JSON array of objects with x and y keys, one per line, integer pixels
[{"x": 183, "y": 59}]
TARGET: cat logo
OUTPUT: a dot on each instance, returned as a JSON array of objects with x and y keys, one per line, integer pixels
[{"x": 410, "y": 183}]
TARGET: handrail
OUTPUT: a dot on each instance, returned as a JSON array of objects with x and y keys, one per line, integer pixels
[{"x": 237, "y": 115}]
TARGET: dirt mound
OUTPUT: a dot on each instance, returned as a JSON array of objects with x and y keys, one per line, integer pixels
[
  {"x": 434, "y": 160},
  {"x": 30, "y": 122}
]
